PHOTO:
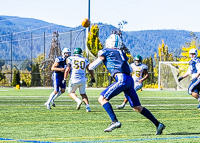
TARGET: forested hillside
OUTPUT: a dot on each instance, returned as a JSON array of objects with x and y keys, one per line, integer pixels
[{"x": 144, "y": 43}]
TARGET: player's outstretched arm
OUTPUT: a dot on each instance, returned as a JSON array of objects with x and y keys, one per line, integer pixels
[
  {"x": 96, "y": 63},
  {"x": 182, "y": 77}
]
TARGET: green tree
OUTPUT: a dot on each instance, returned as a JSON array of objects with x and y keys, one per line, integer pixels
[
  {"x": 162, "y": 55},
  {"x": 26, "y": 78},
  {"x": 2, "y": 75},
  {"x": 149, "y": 63},
  {"x": 94, "y": 45},
  {"x": 93, "y": 41},
  {"x": 2, "y": 63},
  {"x": 16, "y": 78},
  {"x": 36, "y": 79}
]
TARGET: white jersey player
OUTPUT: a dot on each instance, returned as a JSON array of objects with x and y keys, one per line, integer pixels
[
  {"x": 76, "y": 66},
  {"x": 194, "y": 70},
  {"x": 139, "y": 70}
]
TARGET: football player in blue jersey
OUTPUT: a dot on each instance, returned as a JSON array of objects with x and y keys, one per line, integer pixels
[
  {"x": 58, "y": 69},
  {"x": 139, "y": 69},
  {"x": 115, "y": 61},
  {"x": 194, "y": 70}
]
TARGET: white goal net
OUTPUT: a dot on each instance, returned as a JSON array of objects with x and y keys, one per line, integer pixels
[{"x": 169, "y": 72}]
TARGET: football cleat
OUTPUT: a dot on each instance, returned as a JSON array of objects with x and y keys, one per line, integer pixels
[
  {"x": 48, "y": 105},
  {"x": 53, "y": 104},
  {"x": 120, "y": 107},
  {"x": 160, "y": 128},
  {"x": 88, "y": 109},
  {"x": 78, "y": 105},
  {"x": 114, "y": 125}
]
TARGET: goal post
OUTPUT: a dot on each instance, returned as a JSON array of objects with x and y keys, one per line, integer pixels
[{"x": 168, "y": 75}]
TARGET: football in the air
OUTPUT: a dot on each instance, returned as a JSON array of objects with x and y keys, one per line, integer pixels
[{"x": 86, "y": 23}]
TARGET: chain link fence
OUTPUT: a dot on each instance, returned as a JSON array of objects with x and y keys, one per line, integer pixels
[{"x": 22, "y": 52}]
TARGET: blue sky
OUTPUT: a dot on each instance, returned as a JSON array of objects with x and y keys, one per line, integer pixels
[{"x": 140, "y": 14}]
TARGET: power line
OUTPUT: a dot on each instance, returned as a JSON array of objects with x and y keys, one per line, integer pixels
[
  {"x": 19, "y": 5},
  {"x": 40, "y": 37}
]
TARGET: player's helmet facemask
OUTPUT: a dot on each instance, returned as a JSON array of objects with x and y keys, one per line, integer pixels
[
  {"x": 113, "y": 41},
  {"x": 138, "y": 60},
  {"x": 78, "y": 51},
  {"x": 193, "y": 53},
  {"x": 66, "y": 52}
]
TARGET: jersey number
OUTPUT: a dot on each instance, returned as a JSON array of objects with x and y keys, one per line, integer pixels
[
  {"x": 121, "y": 55},
  {"x": 78, "y": 65},
  {"x": 136, "y": 73}
]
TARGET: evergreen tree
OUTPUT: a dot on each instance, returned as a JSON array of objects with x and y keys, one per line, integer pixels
[
  {"x": 33, "y": 81},
  {"x": 93, "y": 41},
  {"x": 2, "y": 75},
  {"x": 151, "y": 70},
  {"x": 16, "y": 78},
  {"x": 14, "y": 83},
  {"x": 162, "y": 55},
  {"x": 36, "y": 79},
  {"x": 2, "y": 63},
  {"x": 55, "y": 51},
  {"x": 94, "y": 45}
]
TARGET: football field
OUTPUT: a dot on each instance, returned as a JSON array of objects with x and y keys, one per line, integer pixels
[{"x": 24, "y": 118}]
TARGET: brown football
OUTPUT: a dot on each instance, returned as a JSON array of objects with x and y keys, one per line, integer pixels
[{"x": 86, "y": 23}]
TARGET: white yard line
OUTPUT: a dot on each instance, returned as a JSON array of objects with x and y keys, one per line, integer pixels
[
  {"x": 99, "y": 105},
  {"x": 117, "y": 97}
]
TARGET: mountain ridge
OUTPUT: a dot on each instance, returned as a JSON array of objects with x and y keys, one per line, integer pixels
[{"x": 144, "y": 42}]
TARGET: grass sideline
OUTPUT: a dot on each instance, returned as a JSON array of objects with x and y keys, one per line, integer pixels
[{"x": 24, "y": 117}]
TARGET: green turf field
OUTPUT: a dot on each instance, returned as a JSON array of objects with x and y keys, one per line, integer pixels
[{"x": 23, "y": 116}]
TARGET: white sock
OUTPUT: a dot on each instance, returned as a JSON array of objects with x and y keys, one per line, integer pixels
[
  {"x": 87, "y": 105},
  {"x": 198, "y": 99},
  {"x": 123, "y": 104},
  {"x": 78, "y": 100},
  {"x": 51, "y": 96},
  {"x": 58, "y": 94}
]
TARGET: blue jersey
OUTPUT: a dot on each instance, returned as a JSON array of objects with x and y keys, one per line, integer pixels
[
  {"x": 194, "y": 67},
  {"x": 58, "y": 76},
  {"x": 115, "y": 61},
  {"x": 61, "y": 64}
]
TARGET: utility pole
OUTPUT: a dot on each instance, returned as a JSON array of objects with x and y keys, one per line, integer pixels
[
  {"x": 86, "y": 48},
  {"x": 11, "y": 57},
  {"x": 88, "y": 14}
]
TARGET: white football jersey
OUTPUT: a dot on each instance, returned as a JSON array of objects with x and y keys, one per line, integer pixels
[
  {"x": 78, "y": 66},
  {"x": 137, "y": 71}
]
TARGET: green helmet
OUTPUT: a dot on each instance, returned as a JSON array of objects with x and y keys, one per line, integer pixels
[
  {"x": 77, "y": 51},
  {"x": 139, "y": 59}
]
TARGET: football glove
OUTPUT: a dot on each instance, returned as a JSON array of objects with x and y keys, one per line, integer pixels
[
  {"x": 63, "y": 81},
  {"x": 179, "y": 79},
  {"x": 193, "y": 79},
  {"x": 93, "y": 80}
]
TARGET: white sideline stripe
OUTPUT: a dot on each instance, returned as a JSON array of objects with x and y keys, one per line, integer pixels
[
  {"x": 100, "y": 105},
  {"x": 4, "y": 90},
  {"x": 98, "y": 96}
]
